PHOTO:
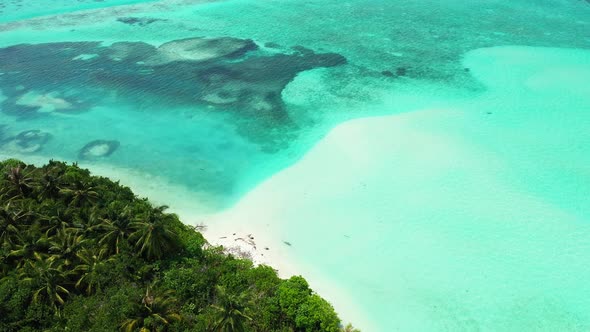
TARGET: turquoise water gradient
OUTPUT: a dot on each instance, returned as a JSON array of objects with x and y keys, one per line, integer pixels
[
  {"x": 463, "y": 218},
  {"x": 466, "y": 209}
]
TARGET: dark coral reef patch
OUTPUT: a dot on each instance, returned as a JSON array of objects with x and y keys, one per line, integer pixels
[
  {"x": 98, "y": 149},
  {"x": 27, "y": 141},
  {"x": 225, "y": 73}
]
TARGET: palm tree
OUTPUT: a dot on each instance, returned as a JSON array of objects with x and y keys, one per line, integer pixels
[
  {"x": 50, "y": 279},
  {"x": 114, "y": 227},
  {"x": 20, "y": 180},
  {"x": 28, "y": 247},
  {"x": 8, "y": 232},
  {"x": 80, "y": 193},
  {"x": 230, "y": 309},
  {"x": 65, "y": 244},
  {"x": 155, "y": 313},
  {"x": 93, "y": 263},
  {"x": 11, "y": 218},
  {"x": 53, "y": 219},
  {"x": 350, "y": 328},
  {"x": 152, "y": 236},
  {"x": 5, "y": 268},
  {"x": 49, "y": 183}
]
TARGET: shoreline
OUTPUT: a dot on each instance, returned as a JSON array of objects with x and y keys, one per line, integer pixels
[
  {"x": 264, "y": 244},
  {"x": 249, "y": 241}
]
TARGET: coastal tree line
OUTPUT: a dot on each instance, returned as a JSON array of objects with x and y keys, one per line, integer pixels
[{"x": 83, "y": 253}]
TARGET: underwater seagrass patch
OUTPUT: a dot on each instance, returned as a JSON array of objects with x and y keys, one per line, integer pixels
[{"x": 226, "y": 74}]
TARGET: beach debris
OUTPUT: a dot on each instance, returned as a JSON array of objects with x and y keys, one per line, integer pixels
[
  {"x": 247, "y": 241},
  {"x": 200, "y": 227},
  {"x": 266, "y": 248},
  {"x": 287, "y": 243},
  {"x": 223, "y": 237},
  {"x": 98, "y": 149},
  {"x": 238, "y": 251}
]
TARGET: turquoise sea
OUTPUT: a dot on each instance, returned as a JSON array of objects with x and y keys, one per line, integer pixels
[{"x": 430, "y": 159}]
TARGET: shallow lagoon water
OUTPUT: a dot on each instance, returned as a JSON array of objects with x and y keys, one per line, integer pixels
[
  {"x": 19, "y": 10},
  {"x": 471, "y": 219},
  {"x": 466, "y": 211}
]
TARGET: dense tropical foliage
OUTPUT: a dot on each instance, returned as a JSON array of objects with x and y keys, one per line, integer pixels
[{"x": 83, "y": 253}]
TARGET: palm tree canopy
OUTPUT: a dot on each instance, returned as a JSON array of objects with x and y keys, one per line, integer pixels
[
  {"x": 152, "y": 236},
  {"x": 157, "y": 310},
  {"x": 50, "y": 279},
  {"x": 231, "y": 311}
]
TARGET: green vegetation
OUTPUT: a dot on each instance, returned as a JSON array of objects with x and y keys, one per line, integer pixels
[{"x": 83, "y": 253}]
